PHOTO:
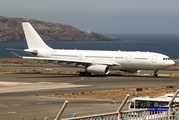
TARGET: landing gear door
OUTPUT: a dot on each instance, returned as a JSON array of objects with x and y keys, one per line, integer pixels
[{"x": 154, "y": 58}]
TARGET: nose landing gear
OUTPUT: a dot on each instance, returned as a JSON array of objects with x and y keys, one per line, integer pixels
[{"x": 155, "y": 73}]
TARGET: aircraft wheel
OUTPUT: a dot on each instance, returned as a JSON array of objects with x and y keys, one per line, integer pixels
[
  {"x": 85, "y": 74},
  {"x": 88, "y": 74},
  {"x": 155, "y": 73},
  {"x": 81, "y": 74}
]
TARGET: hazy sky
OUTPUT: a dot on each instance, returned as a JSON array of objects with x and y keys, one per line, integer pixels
[{"x": 102, "y": 16}]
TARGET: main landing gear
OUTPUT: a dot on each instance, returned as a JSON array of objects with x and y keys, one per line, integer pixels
[
  {"x": 85, "y": 74},
  {"x": 155, "y": 73}
]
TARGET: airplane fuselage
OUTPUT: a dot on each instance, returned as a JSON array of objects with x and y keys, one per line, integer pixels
[{"x": 121, "y": 60}]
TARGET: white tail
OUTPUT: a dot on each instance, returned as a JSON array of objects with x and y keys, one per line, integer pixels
[{"x": 32, "y": 37}]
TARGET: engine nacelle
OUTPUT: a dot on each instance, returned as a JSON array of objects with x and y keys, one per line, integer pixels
[{"x": 98, "y": 69}]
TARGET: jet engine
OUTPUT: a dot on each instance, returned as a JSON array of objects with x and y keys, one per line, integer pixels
[{"x": 98, "y": 69}]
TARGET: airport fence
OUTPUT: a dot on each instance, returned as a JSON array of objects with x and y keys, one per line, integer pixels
[
  {"x": 142, "y": 114},
  {"x": 172, "y": 113}
]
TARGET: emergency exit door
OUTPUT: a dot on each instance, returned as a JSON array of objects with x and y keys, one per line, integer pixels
[{"x": 154, "y": 58}]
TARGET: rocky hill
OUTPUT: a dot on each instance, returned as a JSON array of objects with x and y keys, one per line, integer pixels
[{"x": 11, "y": 30}]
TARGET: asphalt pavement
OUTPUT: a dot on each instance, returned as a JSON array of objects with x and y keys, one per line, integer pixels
[{"x": 18, "y": 92}]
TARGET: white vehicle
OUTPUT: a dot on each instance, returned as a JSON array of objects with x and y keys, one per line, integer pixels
[
  {"x": 94, "y": 62},
  {"x": 170, "y": 95},
  {"x": 145, "y": 102}
]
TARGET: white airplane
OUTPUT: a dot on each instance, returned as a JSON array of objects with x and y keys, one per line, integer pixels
[{"x": 93, "y": 61}]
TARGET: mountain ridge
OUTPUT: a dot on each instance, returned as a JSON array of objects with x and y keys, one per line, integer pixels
[{"x": 11, "y": 31}]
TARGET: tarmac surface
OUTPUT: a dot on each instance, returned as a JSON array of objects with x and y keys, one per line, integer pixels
[{"x": 18, "y": 92}]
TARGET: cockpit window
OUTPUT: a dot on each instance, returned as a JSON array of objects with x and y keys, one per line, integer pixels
[{"x": 166, "y": 59}]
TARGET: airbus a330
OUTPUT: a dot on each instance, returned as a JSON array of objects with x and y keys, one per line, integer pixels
[{"x": 94, "y": 61}]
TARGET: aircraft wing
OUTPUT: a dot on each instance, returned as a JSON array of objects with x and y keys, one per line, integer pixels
[
  {"x": 56, "y": 59},
  {"x": 109, "y": 63},
  {"x": 83, "y": 62},
  {"x": 71, "y": 61}
]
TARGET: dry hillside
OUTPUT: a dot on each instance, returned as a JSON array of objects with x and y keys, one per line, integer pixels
[{"x": 11, "y": 30}]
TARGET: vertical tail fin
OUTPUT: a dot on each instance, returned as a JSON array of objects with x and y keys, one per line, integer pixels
[{"x": 32, "y": 37}]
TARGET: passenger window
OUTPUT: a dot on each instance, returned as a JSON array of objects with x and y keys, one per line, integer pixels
[
  {"x": 166, "y": 59},
  {"x": 132, "y": 105}
]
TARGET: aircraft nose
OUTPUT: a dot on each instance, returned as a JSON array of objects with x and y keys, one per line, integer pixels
[{"x": 172, "y": 62}]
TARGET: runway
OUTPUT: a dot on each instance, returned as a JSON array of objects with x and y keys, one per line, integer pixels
[{"x": 18, "y": 93}]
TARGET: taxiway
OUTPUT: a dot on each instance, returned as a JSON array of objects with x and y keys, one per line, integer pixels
[{"x": 18, "y": 92}]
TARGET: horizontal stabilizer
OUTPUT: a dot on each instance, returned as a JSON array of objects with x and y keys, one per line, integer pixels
[
  {"x": 15, "y": 49},
  {"x": 16, "y": 55},
  {"x": 28, "y": 51}
]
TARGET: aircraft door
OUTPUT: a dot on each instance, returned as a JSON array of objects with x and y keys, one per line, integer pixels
[
  {"x": 80, "y": 56},
  {"x": 49, "y": 54},
  {"x": 154, "y": 58},
  {"x": 129, "y": 58}
]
